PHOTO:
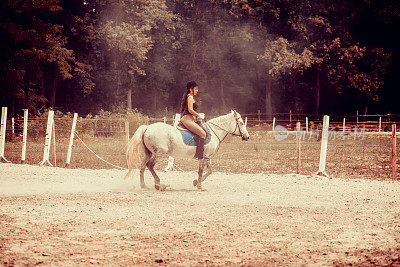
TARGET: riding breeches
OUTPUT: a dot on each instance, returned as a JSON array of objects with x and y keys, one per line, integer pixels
[{"x": 192, "y": 126}]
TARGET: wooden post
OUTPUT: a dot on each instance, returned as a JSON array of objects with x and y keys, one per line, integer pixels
[
  {"x": 54, "y": 145},
  {"x": 177, "y": 119},
  {"x": 3, "y": 134},
  {"x": 273, "y": 124},
  {"x": 324, "y": 147},
  {"x": 298, "y": 141},
  {"x": 290, "y": 118},
  {"x": 165, "y": 119},
  {"x": 306, "y": 124},
  {"x": 12, "y": 128},
  {"x": 47, "y": 142},
  {"x": 357, "y": 117},
  {"x": 171, "y": 160},
  {"x": 259, "y": 115},
  {"x": 127, "y": 131},
  {"x": 380, "y": 124},
  {"x": 245, "y": 122},
  {"x": 344, "y": 128},
  {"x": 71, "y": 139},
  {"x": 394, "y": 153},
  {"x": 24, "y": 136}
]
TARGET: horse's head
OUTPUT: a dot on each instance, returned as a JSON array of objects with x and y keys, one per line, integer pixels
[{"x": 240, "y": 128}]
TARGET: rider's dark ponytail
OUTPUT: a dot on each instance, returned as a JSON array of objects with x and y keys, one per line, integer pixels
[{"x": 189, "y": 85}]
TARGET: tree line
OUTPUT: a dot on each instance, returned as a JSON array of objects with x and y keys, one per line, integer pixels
[{"x": 271, "y": 55}]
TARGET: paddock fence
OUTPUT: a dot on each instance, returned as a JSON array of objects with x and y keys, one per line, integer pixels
[{"x": 284, "y": 145}]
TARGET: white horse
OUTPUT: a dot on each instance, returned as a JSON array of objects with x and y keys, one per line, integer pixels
[{"x": 151, "y": 141}]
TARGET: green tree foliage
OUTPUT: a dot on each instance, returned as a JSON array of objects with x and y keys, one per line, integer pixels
[
  {"x": 274, "y": 55},
  {"x": 35, "y": 57}
]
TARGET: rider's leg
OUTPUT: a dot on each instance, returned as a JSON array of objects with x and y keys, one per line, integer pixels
[
  {"x": 199, "y": 148},
  {"x": 192, "y": 126},
  {"x": 200, "y": 134}
]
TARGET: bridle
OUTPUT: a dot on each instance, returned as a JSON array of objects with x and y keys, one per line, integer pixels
[{"x": 227, "y": 132}]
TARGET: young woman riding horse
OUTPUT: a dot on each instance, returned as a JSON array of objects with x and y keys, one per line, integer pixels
[{"x": 190, "y": 117}]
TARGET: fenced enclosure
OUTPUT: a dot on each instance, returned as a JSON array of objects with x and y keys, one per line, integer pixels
[
  {"x": 354, "y": 151},
  {"x": 371, "y": 122}
]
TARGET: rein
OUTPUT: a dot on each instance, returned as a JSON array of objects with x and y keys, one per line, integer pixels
[{"x": 227, "y": 132}]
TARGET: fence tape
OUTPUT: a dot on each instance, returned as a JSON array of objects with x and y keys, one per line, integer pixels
[{"x": 76, "y": 134}]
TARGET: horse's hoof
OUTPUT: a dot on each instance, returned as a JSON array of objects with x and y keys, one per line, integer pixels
[
  {"x": 194, "y": 182},
  {"x": 201, "y": 188},
  {"x": 161, "y": 187}
]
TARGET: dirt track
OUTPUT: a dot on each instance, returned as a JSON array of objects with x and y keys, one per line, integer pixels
[{"x": 53, "y": 216}]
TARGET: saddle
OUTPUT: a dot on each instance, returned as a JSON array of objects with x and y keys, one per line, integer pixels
[{"x": 188, "y": 136}]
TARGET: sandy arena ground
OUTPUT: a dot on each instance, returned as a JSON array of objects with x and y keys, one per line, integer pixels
[{"x": 55, "y": 216}]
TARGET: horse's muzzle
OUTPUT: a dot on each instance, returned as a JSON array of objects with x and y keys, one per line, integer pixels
[{"x": 245, "y": 138}]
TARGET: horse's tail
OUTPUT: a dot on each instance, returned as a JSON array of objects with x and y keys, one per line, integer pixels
[{"x": 133, "y": 150}]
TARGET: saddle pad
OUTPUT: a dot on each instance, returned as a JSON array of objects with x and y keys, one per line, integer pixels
[{"x": 188, "y": 139}]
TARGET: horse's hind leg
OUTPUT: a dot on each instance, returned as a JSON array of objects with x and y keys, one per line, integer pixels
[
  {"x": 143, "y": 164},
  {"x": 150, "y": 165}
]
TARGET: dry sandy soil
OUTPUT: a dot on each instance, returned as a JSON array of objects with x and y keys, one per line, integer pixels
[{"x": 54, "y": 216}]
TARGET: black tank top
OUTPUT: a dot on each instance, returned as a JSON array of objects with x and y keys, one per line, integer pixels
[{"x": 186, "y": 110}]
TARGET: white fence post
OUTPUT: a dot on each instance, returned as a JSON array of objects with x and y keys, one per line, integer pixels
[
  {"x": 24, "y": 136},
  {"x": 177, "y": 119},
  {"x": 344, "y": 128},
  {"x": 298, "y": 142},
  {"x": 3, "y": 134},
  {"x": 273, "y": 124},
  {"x": 394, "y": 152},
  {"x": 126, "y": 129},
  {"x": 380, "y": 124},
  {"x": 245, "y": 122},
  {"x": 54, "y": 144},
  {"x": 13, "y": 126},
  {"x": 324, "y": 147},
  {"x": 71, "y": 139},
  {"x": 306, "y": 124},
  {"x": 171, "y": 160},
  {"x": 47, "y": 142}
]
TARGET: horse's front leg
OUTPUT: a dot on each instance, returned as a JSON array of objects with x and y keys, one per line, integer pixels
[
  {"x": 203, "y": 163},
  {"x": 209, "y": 170}
]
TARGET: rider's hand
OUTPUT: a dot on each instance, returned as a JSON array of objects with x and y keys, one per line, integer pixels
[{"x": 202, "y": 116}]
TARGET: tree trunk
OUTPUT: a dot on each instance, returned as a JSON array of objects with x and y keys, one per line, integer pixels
[
  {"x": 26, "y": 86},
  {"x": 129, "y": 100},
  {"x": 268, "y": 98},
  {"x": 155, "y": 96},
  {"x": 365, "y": 111},
  {"x": 193, "y": 52},
  {"x": 220, "y": 80},
  {"x": 221, "y": 91},
  {"x": 317, "y": 95},
  {"x": 53, "y": 89}
]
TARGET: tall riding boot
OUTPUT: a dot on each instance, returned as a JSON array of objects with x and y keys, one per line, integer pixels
[{"x": 200, "y": 147}]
